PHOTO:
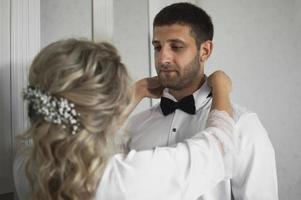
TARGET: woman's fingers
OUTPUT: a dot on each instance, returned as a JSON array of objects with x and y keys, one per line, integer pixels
[{"x": 219, "y": 79}]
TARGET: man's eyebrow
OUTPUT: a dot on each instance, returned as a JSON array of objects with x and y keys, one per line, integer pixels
[
  {"x": 176, "y": 41},
  {"x": 155, "y": 42},
  {"x": 170, "y": 41}
]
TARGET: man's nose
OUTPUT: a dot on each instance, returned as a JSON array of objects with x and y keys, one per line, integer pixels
[{"x": 165, "y": 56}]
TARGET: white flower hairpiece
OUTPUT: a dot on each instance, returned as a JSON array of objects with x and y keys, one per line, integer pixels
[{"x": 54, "y": 110}]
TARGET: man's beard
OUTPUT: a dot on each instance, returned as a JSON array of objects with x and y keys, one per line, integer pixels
[{"x": 179, "y": 81}]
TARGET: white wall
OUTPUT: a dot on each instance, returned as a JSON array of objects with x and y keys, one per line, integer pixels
[
  {"x": 258, "y": 43},
  {"x": 19, "y": 42},
  {"x": 73, "y": 18},
  {"x": 131, "y": 37},
  {"x": 5, "y": 101},
  {"x": 65, "y": 19}
]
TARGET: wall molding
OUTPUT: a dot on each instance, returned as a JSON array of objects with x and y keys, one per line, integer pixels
[
  {"x": 25, "y": 44},
  {"x": 102, "y": 20},
  {"x": 6, "y": 183}
]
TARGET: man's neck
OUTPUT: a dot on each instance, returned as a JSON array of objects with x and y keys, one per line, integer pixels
[{"x": 186, "y": 91}]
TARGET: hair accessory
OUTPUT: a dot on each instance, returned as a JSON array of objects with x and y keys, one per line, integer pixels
[{"x": 54, "y": 110}]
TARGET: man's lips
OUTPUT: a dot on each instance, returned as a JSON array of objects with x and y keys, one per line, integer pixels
[{"x": 167, "y": 70}]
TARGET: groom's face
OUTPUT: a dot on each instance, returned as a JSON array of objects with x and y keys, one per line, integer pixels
[{"x": 177, "y": 57}]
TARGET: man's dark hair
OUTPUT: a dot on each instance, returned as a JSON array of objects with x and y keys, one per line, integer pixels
[{"x": 187, "y": 14}]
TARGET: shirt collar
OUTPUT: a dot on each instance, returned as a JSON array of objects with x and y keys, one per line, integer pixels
[{"x": 201, "y": 96}]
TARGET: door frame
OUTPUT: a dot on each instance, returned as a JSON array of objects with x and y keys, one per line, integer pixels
[{"x": 22, "y": 20}]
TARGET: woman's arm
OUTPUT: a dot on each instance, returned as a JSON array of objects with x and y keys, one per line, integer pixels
[
  {"x": 185, "y": 171},
  {"x": 146, "y": 87},
  {"x": 221, "y": 87}
]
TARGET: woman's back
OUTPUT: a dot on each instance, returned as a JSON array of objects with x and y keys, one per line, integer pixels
[{"x": 77, "y": 97}]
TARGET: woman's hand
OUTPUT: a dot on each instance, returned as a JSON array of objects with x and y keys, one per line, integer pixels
[
  {"x": 221, "y": 87},
  {"x": 219, "y": 81},
  {"x": 148, "y": 87}
]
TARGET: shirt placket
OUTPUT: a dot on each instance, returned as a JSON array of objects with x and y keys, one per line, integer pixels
[{"x": 173, "y": 130}]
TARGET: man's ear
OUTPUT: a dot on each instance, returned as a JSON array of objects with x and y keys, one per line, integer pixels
[{"x": 205, "y": 50}]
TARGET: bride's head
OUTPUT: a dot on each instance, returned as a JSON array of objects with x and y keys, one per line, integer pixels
[{"x": 84, "y": 80}]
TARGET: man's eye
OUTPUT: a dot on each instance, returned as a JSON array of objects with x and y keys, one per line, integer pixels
[
  {"x": 157, "y": 48},
  {"x": 176, "y": 48}
]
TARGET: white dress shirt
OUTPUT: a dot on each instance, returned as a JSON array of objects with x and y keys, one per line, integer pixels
[
  {"x": 182, "y": 172},
  {"x": 255, "y": 175}
]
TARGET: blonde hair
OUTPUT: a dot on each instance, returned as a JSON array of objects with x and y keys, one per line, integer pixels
[{"x": 62, "y": 165}]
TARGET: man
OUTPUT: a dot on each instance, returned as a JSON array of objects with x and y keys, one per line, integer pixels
[{"x": 182, "y": 41}]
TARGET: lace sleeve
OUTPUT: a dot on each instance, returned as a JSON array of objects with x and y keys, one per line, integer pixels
[
  {"x": 187, "y": 171},
  {"x": 222, "y": 127}
]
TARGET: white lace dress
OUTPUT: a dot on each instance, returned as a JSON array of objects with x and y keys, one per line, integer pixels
[{"x": 184, "y": 171}]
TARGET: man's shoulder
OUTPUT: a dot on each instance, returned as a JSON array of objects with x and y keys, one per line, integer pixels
[
  {"x": 251, "y": 131},
  {"x": 241, "y": 111},
  {"x": 243, "y": 114}
]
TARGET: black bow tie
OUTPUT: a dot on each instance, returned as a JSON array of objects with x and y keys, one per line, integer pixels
[{"x": 169, "y": 106}]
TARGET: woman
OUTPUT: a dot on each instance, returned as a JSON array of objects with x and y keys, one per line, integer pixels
[{"x": 79, "y": 96}]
